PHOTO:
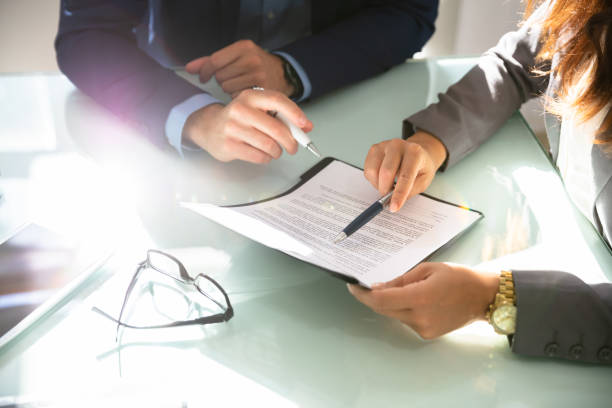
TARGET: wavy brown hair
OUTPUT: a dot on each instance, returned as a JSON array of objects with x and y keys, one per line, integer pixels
[{"x": 578, "y": 31}]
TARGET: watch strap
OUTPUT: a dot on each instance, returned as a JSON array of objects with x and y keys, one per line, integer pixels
[
  {"x": 505, "y": 293},
  {"x": 506, "y": 286}
]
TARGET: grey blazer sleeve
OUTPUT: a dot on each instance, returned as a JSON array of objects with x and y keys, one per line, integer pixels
[
  {"x": 474, "y": 108},
  {"x": 558, "y": 315}
]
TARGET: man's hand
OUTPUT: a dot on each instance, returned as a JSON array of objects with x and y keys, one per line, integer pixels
[
  {"x": 413, "y": 162},
  {"x": 242, "y": 65},
  {"x": 243, "y": 130},
  {"x": 433, "y": 298}
]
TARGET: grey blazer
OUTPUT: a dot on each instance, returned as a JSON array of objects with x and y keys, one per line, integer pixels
[{"x": 558, "y": 314}]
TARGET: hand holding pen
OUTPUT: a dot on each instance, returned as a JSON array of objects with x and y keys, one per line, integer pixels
[
  {"x": 243, "y": 130},
  {"x": 297, "y": 133},
  {"x": 404, "y": 168}
]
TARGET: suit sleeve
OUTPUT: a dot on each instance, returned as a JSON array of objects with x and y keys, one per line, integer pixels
[
  {"x": 475, "y": 107},
  {"x": 382, "y": 34},
  {"x": 560, "y": 316},
  {"x": 97, "y": 50}
]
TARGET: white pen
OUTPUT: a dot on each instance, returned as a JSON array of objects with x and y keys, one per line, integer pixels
[{"x": 297, "y": 133}]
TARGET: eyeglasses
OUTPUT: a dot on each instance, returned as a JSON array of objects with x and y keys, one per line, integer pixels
[{"x": 167, "y": 298}]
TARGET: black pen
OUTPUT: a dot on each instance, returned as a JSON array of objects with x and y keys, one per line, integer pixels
[{"x": 365, "y": 217}]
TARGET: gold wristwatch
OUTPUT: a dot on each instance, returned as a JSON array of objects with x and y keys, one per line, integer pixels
[{"x": 502, "y": 312}]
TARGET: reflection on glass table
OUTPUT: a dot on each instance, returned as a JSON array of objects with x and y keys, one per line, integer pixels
[
  {"x": 154, "y": 303},
  {"x": 38, "y": 267},
  {"x": 297, "y": 338}
]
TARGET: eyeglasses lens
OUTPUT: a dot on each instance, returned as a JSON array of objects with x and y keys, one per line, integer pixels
[{"x": 165, "y": 264}]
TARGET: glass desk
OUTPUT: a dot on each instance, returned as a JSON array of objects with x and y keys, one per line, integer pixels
[{"x": 298, "y": 337}]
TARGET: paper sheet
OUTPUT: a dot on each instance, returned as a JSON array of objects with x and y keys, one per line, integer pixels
[{"x": 304, "y": 223}]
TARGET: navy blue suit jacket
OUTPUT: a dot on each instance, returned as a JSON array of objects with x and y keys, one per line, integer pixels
[{"x": 351, "y": 40}]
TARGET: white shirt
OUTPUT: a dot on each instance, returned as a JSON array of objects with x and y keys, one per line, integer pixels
[{"x": 574, "y": 160}]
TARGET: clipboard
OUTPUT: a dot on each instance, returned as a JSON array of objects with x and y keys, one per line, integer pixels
[{"x": 324, "y": 200}]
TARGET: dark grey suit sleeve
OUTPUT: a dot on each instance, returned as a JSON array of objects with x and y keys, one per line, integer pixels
[
  {"x": 376, "y": 37},
  {"x": 561, "y": 316},
  {"x": 96, "y": 48},
  {"x": 474, "y": 108}
]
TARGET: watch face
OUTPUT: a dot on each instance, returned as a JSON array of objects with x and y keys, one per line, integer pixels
[{"x": 504, "y": 319}]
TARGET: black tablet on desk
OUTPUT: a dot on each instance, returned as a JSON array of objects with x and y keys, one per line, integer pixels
[{"x": 38, "y": 268}]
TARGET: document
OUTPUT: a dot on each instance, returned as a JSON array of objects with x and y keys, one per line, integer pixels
[{"x": 304, "y": 221}]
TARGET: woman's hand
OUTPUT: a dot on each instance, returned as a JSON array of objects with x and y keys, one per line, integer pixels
[
  {"x": 413, "y": 162},
  {"x": 243, "y": 130},
  {"x": 433, "y": 298}
]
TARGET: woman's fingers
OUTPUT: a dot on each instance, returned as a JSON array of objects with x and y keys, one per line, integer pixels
[
  {"x": 404, "y": 165},
  {"x": 419, "y": 272},
  {"x": 408, "y": 172},
  {"x": 380, "y": 300},
  {"x": 373, "y": 160},
  {"x": 389, "y": 166}
]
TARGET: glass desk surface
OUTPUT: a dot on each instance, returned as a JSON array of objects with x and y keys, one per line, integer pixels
[{"x": 298, "y": 337}]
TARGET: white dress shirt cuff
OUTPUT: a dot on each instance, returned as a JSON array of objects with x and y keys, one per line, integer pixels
[
  {"x": 301, "y": 73},
  {"x": 178, "y": 116}
]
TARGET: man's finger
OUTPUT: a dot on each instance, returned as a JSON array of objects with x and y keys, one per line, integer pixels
[
  {"x": 308, "y": 127},
  {"x": 233, "y": 70},
  {"x": 207, "y": 70},
  {"x": 193, "y": 67},
  {"x": 269, "y": 126},
  {"x": 275, "y": 101},
  {"x": 203, "y": 67},
  {"x": 246, "y": 152},
  {"x": 258, "y": 140},
  {"x": 239, "y": 83},
  {"x": 231, "y": 53}
]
